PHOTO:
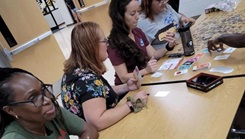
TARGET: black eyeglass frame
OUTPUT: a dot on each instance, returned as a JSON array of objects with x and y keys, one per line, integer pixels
[{"x": 43, "y": 93}]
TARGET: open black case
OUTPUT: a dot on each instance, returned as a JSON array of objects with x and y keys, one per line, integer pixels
[{"x": 204, "y": 82}]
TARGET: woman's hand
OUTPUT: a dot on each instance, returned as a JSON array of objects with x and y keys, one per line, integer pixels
[
  {"x": 141, "y": 95},
  {"x": 151, "y": 65},
  {"x": 132, "y": 84},
  {"x": 170, "y": 38},
  {"x": 185, "y": 19}
]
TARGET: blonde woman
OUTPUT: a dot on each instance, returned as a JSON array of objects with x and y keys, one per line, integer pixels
[{"x": 84, "y": 90}]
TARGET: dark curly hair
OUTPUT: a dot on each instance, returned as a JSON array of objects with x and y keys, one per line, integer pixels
[
  {"x": 7, "y": 96},
  {"x": 119, "y": 38}
]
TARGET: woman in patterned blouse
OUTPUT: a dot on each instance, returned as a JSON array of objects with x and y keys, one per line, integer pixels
[{"x": 84, "y": 91}]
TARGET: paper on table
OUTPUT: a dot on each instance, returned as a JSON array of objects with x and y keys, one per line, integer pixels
[
  {"x": 157, "y": 74},
  {"x": 205, "y": 50},
  {"x": 180, "y": 72},
  {"x": 222, "y": 57},
  {"x": 170, "y": 64},
  {"x": 187, "y": 64},
  {"x": 229, "y": 50},
  {"x": 222, "y": 69},
  {"x": 161, "y": 93}
]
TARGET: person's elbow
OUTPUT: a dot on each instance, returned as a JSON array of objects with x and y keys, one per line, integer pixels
[
  {"x": 99, "y": 125},
  {"x": 89, "y": 132}
]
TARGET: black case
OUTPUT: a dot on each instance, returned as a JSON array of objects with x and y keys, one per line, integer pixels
[{"x": 204, "y": 82}]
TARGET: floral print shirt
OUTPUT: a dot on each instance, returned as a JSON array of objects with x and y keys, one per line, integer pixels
[{"x": 82, "y": 85}]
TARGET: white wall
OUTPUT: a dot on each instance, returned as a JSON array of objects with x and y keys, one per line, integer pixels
[
  {"x": 64, "y": 12},
  {"x": 194, "y": 7}
]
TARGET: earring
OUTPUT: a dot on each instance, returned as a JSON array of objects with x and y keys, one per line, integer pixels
[{"x": 16, "y": 116}]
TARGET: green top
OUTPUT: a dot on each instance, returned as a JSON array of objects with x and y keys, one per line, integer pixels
[{"x": 60, "y": 128}]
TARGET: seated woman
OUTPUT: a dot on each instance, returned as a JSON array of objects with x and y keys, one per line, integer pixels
[
  {"x": 157, "y": 14},
  {"x": 128, "y": 44},
  {"x": 29, "y": 110},
  {"x": 84, "y": 91}
]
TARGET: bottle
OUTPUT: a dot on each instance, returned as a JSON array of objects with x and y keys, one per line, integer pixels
[{"x": 186, "y": 38}]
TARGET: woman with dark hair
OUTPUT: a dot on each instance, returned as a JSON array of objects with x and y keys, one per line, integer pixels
[
  {"x": 157, "y": 14},
  {"x": 128, "y": 44},
  {"x": 84, "y": 90},
  {"x": 29, "y": 110}
]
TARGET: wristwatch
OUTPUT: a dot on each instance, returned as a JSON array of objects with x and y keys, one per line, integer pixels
[{"x": 168, "y": 48}]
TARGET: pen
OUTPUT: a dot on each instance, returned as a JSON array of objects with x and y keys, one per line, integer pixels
[
  {"x": 178, "y": 64},
  {"x": 170, "y": 66}
]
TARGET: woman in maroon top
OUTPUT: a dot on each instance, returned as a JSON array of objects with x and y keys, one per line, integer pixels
[{"x": 128, "y": 44}]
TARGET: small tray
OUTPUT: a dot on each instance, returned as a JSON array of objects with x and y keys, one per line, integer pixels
[{"x": 204, "y": 82}]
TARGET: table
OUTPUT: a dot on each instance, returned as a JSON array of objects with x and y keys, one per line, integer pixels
[
  {"x": 209, "y": 26},
  {"x": 185, "y": 113}
]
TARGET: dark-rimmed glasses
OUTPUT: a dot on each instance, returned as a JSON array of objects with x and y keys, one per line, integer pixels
[
  {"x": 106, "y": 41},
  {"x": 47, "y": 90}
]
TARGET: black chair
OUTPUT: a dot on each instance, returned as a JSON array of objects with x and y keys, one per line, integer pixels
[
  {"x": 174, "y": 4},
  {"x": 237, "y": 130}
]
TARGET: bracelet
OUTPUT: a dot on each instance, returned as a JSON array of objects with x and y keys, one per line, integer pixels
[
  {"x": 168, "y": 48},
  {"x": 130, "y": 106}
]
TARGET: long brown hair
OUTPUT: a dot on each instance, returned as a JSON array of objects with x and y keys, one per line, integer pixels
[
  {"x": 146, "y": 8},
  {"x": 119, "y": 39},
  {"x": 85, "y": 49}
]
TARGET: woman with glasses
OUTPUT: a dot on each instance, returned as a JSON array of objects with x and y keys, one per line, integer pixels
[
  {"x": 29, "y": 110},
  {"x": 157, "y": 14},
  {"x": 128, "y": 44},
  {"x": 84, "y": 90}
]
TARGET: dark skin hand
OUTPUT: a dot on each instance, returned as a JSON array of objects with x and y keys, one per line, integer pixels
[{"x": 236, "y": 40}]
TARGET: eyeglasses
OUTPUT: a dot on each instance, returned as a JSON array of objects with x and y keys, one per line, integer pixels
[
  {"x": 106, "y": 41},
  {"x": 162, "y": 1},
  {"x": 38, "y": 100}
]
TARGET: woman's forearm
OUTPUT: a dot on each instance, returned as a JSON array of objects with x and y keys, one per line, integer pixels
[
  {"x": 160, "y": 53},
  {"x": 111, "y": 116},
  {"x": 124, "y": 78},
  {"x": 121, "y": 89}
]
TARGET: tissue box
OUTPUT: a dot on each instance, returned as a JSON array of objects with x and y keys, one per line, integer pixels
[{"x": 204, "y": 82}]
